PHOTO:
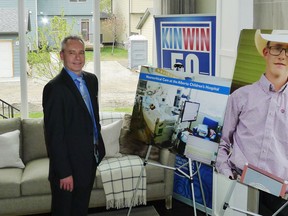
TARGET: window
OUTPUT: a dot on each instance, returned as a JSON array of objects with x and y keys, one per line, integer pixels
[
  {"x": 85, "y": 29},
  {"x": 115, "y": 96}
]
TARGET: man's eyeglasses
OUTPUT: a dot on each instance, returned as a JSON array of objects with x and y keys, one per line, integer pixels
[{"x": 277, "y": 50}]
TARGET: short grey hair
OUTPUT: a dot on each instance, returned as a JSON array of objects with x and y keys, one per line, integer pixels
[{"x": 70, "y": 37}]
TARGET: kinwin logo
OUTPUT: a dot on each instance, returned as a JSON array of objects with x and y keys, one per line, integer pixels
[{"x": 186, "y": 38}]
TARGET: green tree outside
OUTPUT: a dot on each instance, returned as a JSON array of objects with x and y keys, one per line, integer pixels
[{"x": 44, "y": 61}]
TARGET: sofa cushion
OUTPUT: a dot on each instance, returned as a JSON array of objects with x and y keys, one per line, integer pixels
[
  {"x": 154, "y": 174},
  {"x": 10, "y": 179},
  {"x": 7, "y": 125},
  {"x": 111, "y": 134},
  {"x": 9, "y": 150},
  {"x": 35, "y": 178},
  {"x": 33, "y": 139}
]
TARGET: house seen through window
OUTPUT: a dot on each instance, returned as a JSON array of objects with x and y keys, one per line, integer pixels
[{"x": 118, "y": 83}]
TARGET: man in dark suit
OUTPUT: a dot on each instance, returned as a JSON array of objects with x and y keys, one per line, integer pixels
[{"x": 72, "y": 131}]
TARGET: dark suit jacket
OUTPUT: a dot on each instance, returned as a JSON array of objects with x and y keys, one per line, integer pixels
[{"x": 69, "y": 129}]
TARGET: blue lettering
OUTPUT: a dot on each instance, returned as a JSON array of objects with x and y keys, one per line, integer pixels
[
  {"x": 165, "y": 43},
  {"x": 177, "y": 38}
]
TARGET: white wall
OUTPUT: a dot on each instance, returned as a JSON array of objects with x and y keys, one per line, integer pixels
[
  {"x": 139, "y": 6},
  {"x": 134, "y": 20},
  {"x": 147, "y": 30},
  {"x": 230, "y": 21}
]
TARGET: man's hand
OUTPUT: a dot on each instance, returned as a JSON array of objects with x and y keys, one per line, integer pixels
[{"x": 67, "y": 183}]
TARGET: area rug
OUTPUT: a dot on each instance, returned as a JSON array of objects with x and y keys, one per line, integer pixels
[{"x": 136, "y": 211}]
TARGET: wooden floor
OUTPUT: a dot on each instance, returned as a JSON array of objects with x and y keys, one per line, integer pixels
[{"x": 179, "y": 208}]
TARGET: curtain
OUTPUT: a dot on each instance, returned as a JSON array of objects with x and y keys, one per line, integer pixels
[
  {"x": 178, "y": 6},
  {"x": 270, "y": 14}
]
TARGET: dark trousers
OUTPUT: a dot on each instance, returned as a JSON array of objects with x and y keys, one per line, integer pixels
[
  {"x": 75, "y": 203},
  {"x": 65, "y": 203}
]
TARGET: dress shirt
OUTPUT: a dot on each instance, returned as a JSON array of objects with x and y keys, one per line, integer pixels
[
  {"x": 89, "y": 105},
  {"x": 255, "y": 130}
]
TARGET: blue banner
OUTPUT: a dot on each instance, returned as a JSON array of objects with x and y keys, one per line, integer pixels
[{"x": 188, "y": 40}]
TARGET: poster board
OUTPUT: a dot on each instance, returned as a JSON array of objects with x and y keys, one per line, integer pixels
[
  {"x": 250, "y": 66},
  {"x": 169, "y": 107}
]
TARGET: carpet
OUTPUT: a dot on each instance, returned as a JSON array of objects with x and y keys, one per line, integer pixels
[{"x": 136, "y": 211}]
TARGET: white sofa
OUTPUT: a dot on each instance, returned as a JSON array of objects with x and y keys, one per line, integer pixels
[{"x": 27, "y": 190}]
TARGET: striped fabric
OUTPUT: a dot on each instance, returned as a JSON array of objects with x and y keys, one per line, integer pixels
[{"x": 119, "y": 178}]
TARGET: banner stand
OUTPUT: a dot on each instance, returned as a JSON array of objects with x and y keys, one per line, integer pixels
[{"x": 190, "y": 176}]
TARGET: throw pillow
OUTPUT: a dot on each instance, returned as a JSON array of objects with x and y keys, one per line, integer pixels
[
  {"x": 9, "y": 150},
  {"x": 110, "y": 134}
]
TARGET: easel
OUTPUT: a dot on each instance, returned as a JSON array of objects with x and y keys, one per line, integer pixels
[
  {"x": 190, "y": 176},
  {"x": 228, "y": 197}
]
